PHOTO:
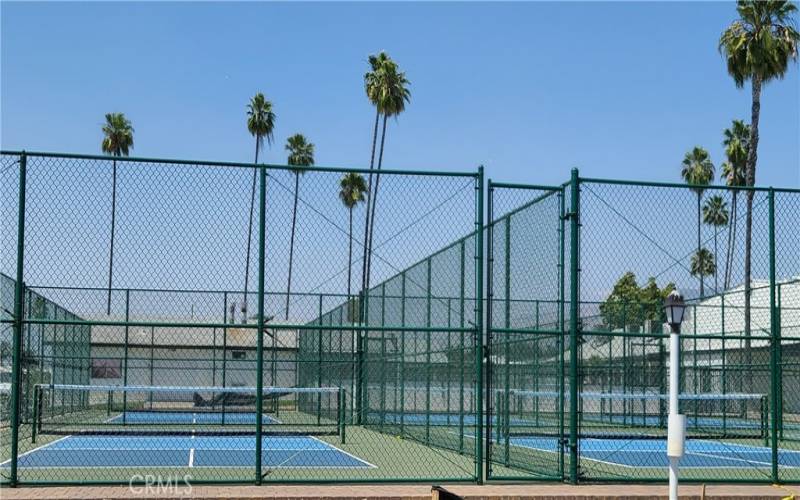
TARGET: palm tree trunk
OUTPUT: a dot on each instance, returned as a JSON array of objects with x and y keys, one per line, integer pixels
[
  {"x": 350, "y": 258},
  {"x": 249, "y": 239},
  {"x": 726, "y": 280},
  {"x": 113, "y": 229},
  {"x": 369, "y": 200},
  {"x": 700, "y": 274},
  {"x": 750, "y": 180},
  {"x": 291, "y": 241},
  {"x": 375, "y": 202},
  {"x": 716, "y": 267}
]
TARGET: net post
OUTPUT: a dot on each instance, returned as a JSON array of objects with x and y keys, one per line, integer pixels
[
  {"x": 262, "y": 197},
  {"x": 224, "y": 347},
  {"x": 573, "y": 326},
  {"x": 479, "y": 382},
  {"x": 19, "y": 288},
  {"x": 36, "y": 399},
  {"x": 125, "y": 365},
  {"x": 775, "y": 339},
  {"x": 342, "y": 413}
]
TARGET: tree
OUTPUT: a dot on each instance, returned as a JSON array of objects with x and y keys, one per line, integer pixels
[
  {"x": 628, "y": 306},
  {"x": 301, "y": 154},
  {"x": 372, "y": 84},
  {"x": 757, "y": 47},
  {"x": 715, "y": 214},
  {"x": 698, "y": 171},
  {"x": 736, "y": 141},
  {"x": 260, "y": 123},
  {"x": 117, "y": 141},
  {"x": 352, "y": 189},
  {"x": 702, "y": 264},
  {"x": 387, "y": 88}
]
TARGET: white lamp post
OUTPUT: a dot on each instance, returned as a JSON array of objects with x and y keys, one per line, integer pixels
[{"x": 674, "y": 307}]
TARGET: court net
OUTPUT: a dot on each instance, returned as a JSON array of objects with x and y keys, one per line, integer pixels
[
  {"x": 630, "y": 415},
  {"x": 152, "y": 410}
]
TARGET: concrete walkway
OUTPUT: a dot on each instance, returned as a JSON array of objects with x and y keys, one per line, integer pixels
[{"x": 406, "y": 492}]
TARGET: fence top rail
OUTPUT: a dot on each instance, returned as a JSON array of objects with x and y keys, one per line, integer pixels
[
  {"x": 269, "y": 166},
  {"x": 595, "y": 180},
  {"x": 512, "y": 185}
]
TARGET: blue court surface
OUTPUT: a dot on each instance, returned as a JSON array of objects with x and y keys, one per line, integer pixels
[
  {"x": 653, "y": 453},
  {"x": 188, "y": 451}
]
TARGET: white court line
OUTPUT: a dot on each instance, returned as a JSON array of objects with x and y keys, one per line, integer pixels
[
  {"x": 191, "y": 457},
  {"x": 342, "y": 451},
  {"x": 36, "y": 449}
]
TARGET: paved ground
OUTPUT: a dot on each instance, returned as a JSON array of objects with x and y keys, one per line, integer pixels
[{"x": 409, "y": 492}]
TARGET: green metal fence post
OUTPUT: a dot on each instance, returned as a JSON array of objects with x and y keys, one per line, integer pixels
[
  {"x": 262, "y": 200},
  {"x": 507, "y": 339},
  {"x": 479, "y": 329},
  {"x": 561, "y": 325},
  {"x": 492, "y": 407},
  {"x": 574, "y": 297},
  {"x": 461, "y": 323},
  {"x": 319, "y": 361},
  {"x": 427, "y": 353},
  {"x": 19, "y": 290},
  {"x": 402, "y": 353},
  {"x": 775, "y": 339}
]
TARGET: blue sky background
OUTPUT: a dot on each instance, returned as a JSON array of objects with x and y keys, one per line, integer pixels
[{"x": 530, "y": 90}]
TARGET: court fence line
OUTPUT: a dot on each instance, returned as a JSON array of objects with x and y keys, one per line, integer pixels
[{"x": 527, "y": 346}]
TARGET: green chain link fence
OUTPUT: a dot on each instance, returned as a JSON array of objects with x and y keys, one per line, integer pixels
[{"x": 152, "y": 324}]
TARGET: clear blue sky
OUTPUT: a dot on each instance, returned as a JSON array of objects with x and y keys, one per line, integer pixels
[{"x": 530, "y": 90}]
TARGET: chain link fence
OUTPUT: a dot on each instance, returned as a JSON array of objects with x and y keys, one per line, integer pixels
[{"x": 213, "y": 321}]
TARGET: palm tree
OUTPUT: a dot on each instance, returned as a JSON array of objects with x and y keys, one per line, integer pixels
[
  {"x": 372, "y": 87},
  {"x": 352, "y": 191},
  {"x": 697, "y": 170},
  {"x": 301, "y": 154},
  {"x": 757, "y": 47},
  {"x": 117, "y": 141},
  {"x": 392, "y": 94},
  {"x": 702, "y": 264},
  {"x": 736, "y": 141},
  {"x": 715, "y": 213},
  {"x": 260, "y": 123}
]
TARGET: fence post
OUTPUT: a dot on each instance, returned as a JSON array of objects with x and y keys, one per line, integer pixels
[
  {"x": 573, "y": 325},
  {"x": 479, "y": 328},
  {"x": 490, "y": 396},
  {"x": 19, "y": 291},
  {"x": 773, "y": 399},
  {"x": 560, "y": 338},
  {"x": 262, "y": 199}
]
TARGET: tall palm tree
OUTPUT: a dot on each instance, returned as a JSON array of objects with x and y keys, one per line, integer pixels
[
  {"x": 702, "y": 264},
  {"x": 393, "y": 94},
  {"x": 758, "y": 47},
  {"x": 260, "y": 123},
  {"x": 715, "y": 213},
  {"x": 352, "y": 190},
  {"x": 736, "y": 141},
  {"x": 117, "y": 141},
  {"x": 697, "y": 170},
  {"x": 301, "y": 155},
  {"x": 373, "y": 89}
]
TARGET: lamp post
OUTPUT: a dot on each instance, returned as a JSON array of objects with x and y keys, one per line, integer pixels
[{"x": 674, "y": 307}]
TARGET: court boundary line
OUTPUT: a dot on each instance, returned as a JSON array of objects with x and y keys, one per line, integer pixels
[
  {"x": 36, "y": 449},
  {"x": 370, "y": 465}
]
